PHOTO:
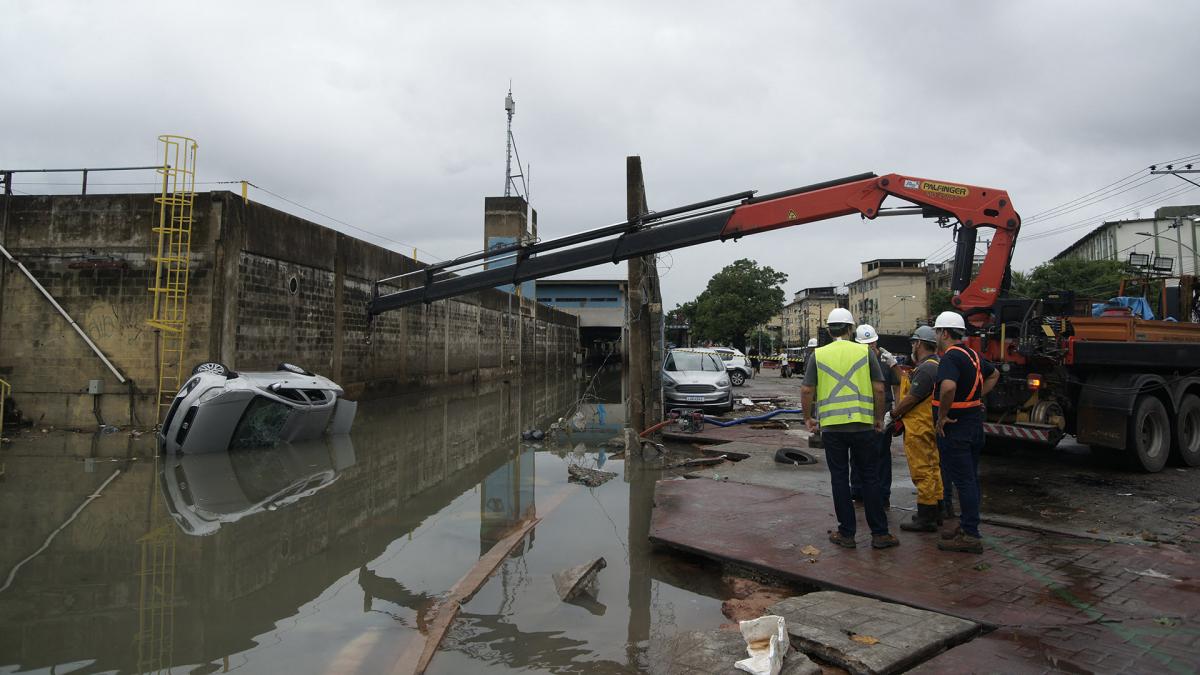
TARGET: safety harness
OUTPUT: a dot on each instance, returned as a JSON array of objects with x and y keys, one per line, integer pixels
[{"x": 973, "y": 399}]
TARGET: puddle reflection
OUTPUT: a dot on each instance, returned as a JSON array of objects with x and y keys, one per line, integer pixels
[{"x": 328, "y": 555}]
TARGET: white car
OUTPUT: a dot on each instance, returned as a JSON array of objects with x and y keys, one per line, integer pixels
[
  {"x": 696, "y": 378},
  {"x": 206, "y": 491},
  {"x": 219, "y": 409},
  {"x": 736, "y": 363}
]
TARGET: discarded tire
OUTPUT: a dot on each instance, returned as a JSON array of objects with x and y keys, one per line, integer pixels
[{"x": 794, "y": 456}]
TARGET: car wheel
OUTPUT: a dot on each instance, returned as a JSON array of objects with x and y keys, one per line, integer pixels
[
  {"x": 1187, "y": 432},
  {"x": 293, "y": 369},
  {"x": 211, "y": 367},
  {"x": 1149, "y": 434},
  {"x": 737, "y": 377}
]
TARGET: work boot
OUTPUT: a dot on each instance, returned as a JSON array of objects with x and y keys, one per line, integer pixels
[
  {"x": 884, "y": 541},
  {"x": 948, "y": 508},
  {"x": 842, "y": 540},
  {"x": 924, "y": 520},
  {"x": 951, "y": 532},
  {"x": 962, "y": 543}
]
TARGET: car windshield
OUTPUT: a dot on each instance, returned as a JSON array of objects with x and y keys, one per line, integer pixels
[
  {"x": 261, "y": 424},
  {"x": 725, "y": 356},
  {"x": 677, "y": 361}
]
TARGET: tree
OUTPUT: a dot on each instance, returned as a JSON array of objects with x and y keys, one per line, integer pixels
[
  {"x": 738, "y": 298},
  {"x": 939, "y": 301},
  {"x": 1098, "y": 279}
]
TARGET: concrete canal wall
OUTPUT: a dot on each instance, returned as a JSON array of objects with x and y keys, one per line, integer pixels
[{"x": 265, "y": 287}]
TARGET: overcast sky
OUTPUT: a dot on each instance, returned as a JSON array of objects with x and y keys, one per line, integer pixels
[{"x": 390, "y": 115}]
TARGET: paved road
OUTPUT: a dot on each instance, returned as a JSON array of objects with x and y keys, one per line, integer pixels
[{"x": 1065, "y": 488}]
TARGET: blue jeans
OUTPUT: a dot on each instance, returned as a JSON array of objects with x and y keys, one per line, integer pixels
[
  {"x": 858, "y": 449},
  {"x": 883, "y": 470},
  {"x": 959, "y": 451}
]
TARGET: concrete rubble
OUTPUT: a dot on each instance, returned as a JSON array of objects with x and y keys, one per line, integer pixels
[
  {"x": 579, "y": 580},
  {"x": 868, "y": 636}
]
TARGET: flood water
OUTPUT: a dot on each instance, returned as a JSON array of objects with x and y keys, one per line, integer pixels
[{"x": 327, "y": 557}]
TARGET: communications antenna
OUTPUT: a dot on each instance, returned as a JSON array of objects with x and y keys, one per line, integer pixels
[{"x": 510, "y": 107}]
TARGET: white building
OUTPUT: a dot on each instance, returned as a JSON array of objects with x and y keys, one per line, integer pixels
[{"x": 1157, "y": 237}]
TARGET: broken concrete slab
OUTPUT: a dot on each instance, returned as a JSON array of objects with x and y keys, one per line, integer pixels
[
  {"x": 864, "y": 635},
  {"x": 715, "y": 652},
  {"x": 579, "y": 580},
  {"x": 588, "y": 477}
]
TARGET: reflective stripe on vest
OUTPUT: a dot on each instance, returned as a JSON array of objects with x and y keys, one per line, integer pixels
[
  {"x": 972, "y": 400},
  {"x": 844, "y": 389}
]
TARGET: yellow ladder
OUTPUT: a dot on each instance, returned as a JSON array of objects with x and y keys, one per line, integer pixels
[{"x": 170, "y": 289}]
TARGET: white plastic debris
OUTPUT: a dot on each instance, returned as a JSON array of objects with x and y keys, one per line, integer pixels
[
  {"x": 747, "y": 402},
  {"x": 578, "y": 422},
  {"x": 766, "y": 643}
]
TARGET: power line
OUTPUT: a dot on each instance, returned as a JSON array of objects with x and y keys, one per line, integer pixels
[
  {"x": 1099, "y": 219},
  {"x": 298, "y": 204}
]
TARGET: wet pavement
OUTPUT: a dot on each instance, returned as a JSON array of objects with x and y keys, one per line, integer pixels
[
  {"x": 1066, "y": 489},
  {"x": 328, "y": 557}
]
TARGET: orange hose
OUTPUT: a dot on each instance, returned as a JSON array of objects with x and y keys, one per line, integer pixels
[{"x": 655, "y": 428}]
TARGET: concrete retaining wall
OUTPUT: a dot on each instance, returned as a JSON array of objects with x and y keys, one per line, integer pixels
[{"x": 266, "y": 287}]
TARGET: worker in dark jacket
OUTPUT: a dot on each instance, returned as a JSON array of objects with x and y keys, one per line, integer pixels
[
  {"x": 865, "y": 334},
  {"x": 963, "y": 379}
]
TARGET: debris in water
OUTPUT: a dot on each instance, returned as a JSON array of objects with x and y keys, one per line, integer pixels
[
  {"x": 766, "y": 642},
  {"x": 579, "y": 580},
  {"x": 589, "y": 477},
  {"x": 700, "y": 461}
]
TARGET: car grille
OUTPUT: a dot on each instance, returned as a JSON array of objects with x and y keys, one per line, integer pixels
[{"x": 695, "y": 388}]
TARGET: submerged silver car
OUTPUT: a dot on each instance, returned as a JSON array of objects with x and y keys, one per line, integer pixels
[
  {"x": 696, "y": 378},
  {"x": 219, "y": 409}
]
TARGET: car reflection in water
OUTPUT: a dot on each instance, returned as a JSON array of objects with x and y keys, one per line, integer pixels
[{"x": 206, "y": 490}]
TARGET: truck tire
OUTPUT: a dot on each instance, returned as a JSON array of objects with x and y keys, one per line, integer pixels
[
  {"x": 1187, "y": 432},
  {"x": 1149, "y": 434}
]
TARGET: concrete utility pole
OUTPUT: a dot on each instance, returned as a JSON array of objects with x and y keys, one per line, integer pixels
[{"x": 642, "y": 306}]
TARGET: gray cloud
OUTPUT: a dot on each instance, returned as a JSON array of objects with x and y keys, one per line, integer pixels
[{"x": 389, "y": 116}]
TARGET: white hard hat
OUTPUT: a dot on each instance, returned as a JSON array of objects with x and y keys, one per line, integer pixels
[
  {"x": 840, "y": 315},
  {"x": 865, "y": 334},
  {"x": 812, "y": 342},
  {"x": 950, "y": 320}
]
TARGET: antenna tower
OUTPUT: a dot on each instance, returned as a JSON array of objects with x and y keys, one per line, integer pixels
[{"x": 510, "y": 107}]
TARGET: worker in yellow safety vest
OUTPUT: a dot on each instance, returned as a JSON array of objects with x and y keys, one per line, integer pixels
[
  {"x": 915, "y": 409},
  {"x": 842, "y": 396}
]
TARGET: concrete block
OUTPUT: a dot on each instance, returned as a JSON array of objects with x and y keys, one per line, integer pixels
[{"x": 891, "y": 637}]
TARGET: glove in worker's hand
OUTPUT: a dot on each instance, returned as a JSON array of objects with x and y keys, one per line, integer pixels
[{"x": 888, "y": 358}]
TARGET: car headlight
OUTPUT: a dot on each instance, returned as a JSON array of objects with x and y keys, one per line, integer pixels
[{"x": 723, "y": 382}]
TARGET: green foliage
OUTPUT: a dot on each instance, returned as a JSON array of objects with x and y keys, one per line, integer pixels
[
  {"x": 939, "y": 301},
  {"x": 1088, "y": 278},
  {"x": 761, "y": 340},
  {"x": 738, "y": 298}
]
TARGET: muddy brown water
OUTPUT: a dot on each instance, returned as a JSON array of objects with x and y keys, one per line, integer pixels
[{"x": 329, "y": 557}]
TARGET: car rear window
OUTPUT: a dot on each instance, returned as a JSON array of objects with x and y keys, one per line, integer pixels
[{"x": 677, "y": 361}]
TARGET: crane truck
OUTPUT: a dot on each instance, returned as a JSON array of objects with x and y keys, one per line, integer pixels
[{"x": 1124, "y": 386}]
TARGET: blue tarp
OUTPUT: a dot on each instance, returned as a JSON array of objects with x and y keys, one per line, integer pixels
[{"x": 1139, "y": 306}]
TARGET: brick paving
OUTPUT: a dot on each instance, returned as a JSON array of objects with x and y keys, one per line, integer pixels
[{"x": 1060, "y": 603}]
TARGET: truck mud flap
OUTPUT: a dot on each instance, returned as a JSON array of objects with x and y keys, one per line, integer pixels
[{"x": 1047, "y": 436}]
